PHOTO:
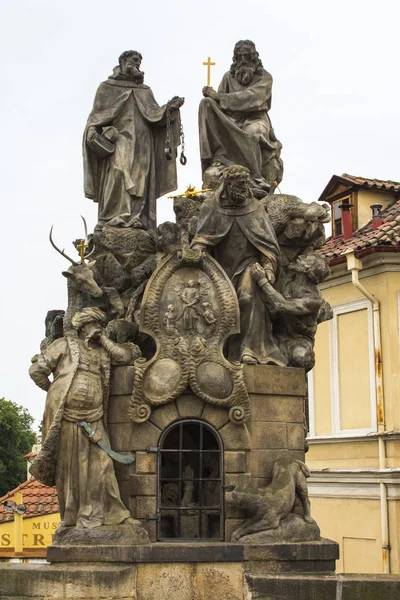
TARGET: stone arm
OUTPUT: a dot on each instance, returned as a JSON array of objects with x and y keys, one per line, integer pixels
[
  {"x": 278, "y": 303},
  {"x": 121, "y": 354},
  {"x": 45, "y": 364},
  {"x": 255, "y": 97}
]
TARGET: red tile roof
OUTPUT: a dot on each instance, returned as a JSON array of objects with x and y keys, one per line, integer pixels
[
  {"x": 38, "y": 499},
  {"x": 386, "y": 236},
  {"x": 359, "y": 182}
]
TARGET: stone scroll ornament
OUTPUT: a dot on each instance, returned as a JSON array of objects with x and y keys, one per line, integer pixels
[{"x": 190, "y": 308}]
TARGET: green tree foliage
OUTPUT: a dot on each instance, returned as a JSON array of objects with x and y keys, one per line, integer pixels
[{"x": 16, "y": 439}]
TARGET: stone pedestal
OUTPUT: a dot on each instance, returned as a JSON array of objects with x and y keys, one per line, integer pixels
[{"x": 276, "y": 428}]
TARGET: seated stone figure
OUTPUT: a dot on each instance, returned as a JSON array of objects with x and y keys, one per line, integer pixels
[
  {"x": 80, "y": 467},
  {"x": 234, "y": 226},
  {"x": 235, "y": 127}
]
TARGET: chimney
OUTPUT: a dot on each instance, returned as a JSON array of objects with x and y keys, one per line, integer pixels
[
  {"x": 376, "y": 215},
  {"x": 347, "y": 225}
]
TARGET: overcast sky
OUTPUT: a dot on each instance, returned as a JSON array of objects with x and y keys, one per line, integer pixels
[{"x": 335, "y": 109}]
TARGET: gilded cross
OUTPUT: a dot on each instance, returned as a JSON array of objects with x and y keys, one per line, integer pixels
[
  {"x": 209, "y": 64},
  {"x": 81, "y": 247}
]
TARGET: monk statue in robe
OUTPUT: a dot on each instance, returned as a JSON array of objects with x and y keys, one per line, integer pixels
[
  {"x": 82, "y": 471},
  {"x": 234, "y": 125},
  {"x": 235, "y": 228},
  {"x": 124, "y": 162}
]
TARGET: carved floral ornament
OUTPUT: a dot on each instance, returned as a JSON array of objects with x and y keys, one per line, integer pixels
[{"x": 190, "y": 308}]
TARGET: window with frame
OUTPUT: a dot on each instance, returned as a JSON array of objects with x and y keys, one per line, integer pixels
[{"x": 190, "y": 482}]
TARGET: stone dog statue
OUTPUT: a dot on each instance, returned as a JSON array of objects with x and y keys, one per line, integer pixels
[{"x": 269, "y": 506}]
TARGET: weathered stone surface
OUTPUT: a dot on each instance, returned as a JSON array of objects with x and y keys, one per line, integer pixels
[
  {"x": 217, "y": 417},
  {"x": 145, "y": 505},
  {"x": 189, "y": 406},
  {"x": 235, "y": 437},
  {"x": 284, "y": 409},
  {"x": 121, "y": 436},
  {"x": 268, "y": 435},
  {"x": 292, "y": 529},
  {"x": 223, "y": 580},
  {"x": 126, "y": 533},
  {"x": 144, "y": 485},
  {"x": 67, "y": 581},
  {"x": 125, "y": 489},
  {"x": 283, "y": 587},
  {"x": 144, "y": 435},
  {"x": 118, "y": 408},
  {"x": 159, "y": 581},
  {"x": 121, "y": 380},
  {"x": 267, "y": 379},
  {"x": 262, "y": 461},
  {"x": 164, "y": 415},
  {"x": 235, "y": 462},
  {"x": 122, "y": 471},
  {"x": 146, "y": 462},
  {"x": 191, "y": 552},
  {"x": 230, "y": 526},
  {"x": 238, "y": 479},
  {"x": 295, "y": 436}
]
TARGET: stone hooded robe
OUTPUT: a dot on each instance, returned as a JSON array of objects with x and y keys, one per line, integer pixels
[
  {"x": 238, "y": 237},
  {"x": 127, "y": 184}
]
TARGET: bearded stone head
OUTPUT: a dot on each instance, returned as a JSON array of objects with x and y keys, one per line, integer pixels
[
  {"x": 129, "y": 65},
  {"x": 246, "y": 63},
  {"x": 236, "y": 185}
]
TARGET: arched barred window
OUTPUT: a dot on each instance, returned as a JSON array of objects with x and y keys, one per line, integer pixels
[{"x": 190, "y": 482}]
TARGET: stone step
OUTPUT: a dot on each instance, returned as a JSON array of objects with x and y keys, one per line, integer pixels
[{"x": 323, "y": 587}]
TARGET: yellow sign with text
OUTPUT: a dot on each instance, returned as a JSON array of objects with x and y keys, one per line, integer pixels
[{"x": 37, "y": 532}]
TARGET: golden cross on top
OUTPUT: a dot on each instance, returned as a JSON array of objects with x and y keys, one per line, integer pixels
[
  {"x": 81, "y": 247},
  {"x": 209, "y": 64}
]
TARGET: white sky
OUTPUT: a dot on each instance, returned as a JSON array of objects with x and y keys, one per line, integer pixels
[{"x": 335, "y": 109}]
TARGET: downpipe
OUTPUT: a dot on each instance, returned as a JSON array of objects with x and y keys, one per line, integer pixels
[{"x": 355, "y": 265}]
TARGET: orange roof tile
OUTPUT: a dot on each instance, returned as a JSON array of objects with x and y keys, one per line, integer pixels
[
  {"x": 367, "y": 238},
  {"x": 38, "y": 499},
  {"x": 354, "y": 182}
]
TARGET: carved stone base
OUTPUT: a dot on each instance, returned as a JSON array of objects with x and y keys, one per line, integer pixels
[
  {"x": 292, "y": 529},
  {"x": 126, "y": 534}
]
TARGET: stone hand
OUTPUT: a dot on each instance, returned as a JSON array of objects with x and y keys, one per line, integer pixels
[
  {"x": 209, "y": 92},
  {"x": 91, "y": 132},
  {"x": 176, "y": 102},
  {"x": 257, "y": 272}
]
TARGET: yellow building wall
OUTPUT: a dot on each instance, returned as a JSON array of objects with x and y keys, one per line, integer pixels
[
  {"x": 364, "y": 200},
  {"x": 355, "y": 523},
  {"x": 354, "y": 370},
  {"x": 37, "y": 532},
  {"x": 353, "y": 348},
  {"x": 344, "y": 521}
]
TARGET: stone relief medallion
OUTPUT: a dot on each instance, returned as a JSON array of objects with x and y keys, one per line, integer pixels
[{"x": 190, "y": 308}]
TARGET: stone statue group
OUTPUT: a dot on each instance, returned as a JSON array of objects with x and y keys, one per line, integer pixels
[{"x": 265, "y": 243}]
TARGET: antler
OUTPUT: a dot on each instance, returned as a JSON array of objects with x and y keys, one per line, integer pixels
[
  {"x": 85, "y": 226},
  {"x": 58, "y": 249}
]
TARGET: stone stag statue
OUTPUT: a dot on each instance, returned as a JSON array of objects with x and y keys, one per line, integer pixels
[
  {"x": 125, "y": 167},
  {"x": 235, "y": 227},
  {"x": 76, "y": 453},
  {"x": 234, "y": 124}
]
